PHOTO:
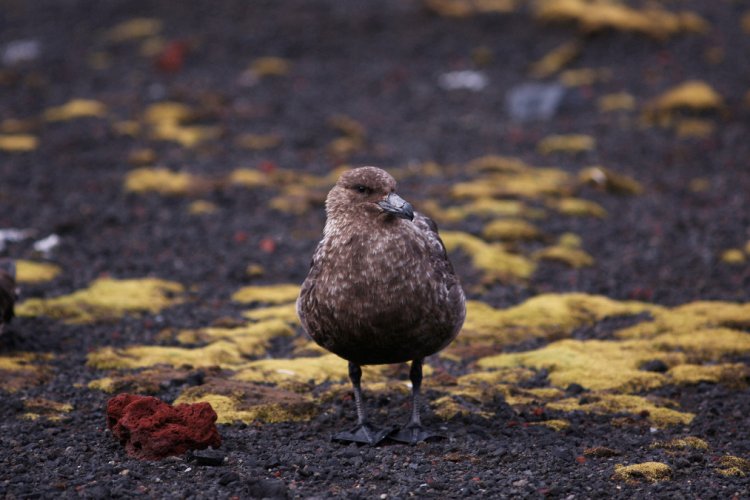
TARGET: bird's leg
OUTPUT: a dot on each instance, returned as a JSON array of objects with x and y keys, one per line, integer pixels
[
  {"x": 363, "y": 432},
  {"x": 413, "y": 432}
]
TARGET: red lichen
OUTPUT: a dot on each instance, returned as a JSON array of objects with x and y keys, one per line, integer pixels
[{"x": 151, "y": 429}]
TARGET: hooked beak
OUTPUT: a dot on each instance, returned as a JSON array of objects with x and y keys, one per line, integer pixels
[{"x": 395, "y": 205}]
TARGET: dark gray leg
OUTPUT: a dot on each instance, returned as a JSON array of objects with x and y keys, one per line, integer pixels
[
  {"x": 413, "y": 432},
  {"x": 363, "y": 432}
]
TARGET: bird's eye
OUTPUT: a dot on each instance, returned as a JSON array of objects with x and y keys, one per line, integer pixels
[{"x": 363, "y": 189}]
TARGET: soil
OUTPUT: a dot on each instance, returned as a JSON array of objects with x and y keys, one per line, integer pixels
[{"x": 380, "y": 63}]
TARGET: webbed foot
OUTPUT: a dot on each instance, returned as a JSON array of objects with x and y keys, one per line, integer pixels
[
  {"x": 413, "y": 433},
  {"x": 363, "y": 433}
]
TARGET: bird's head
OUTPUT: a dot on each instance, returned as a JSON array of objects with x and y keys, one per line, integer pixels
[{"x": 369, "y": 192}]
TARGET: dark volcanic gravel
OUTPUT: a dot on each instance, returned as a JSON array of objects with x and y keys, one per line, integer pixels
[{"x": 378, "y": 62}]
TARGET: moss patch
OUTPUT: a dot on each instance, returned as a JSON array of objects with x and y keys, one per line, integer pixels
[
  {"x": 28, "y": 271},
  {"x": 511, "y": 230},
  {"x": 267, "y": 294},
  {"x": 77, "y": 108},
  {"x": 236, "y": 401},
  {"x": 106, "y": 298},
  {"x": 251, "y": 340},
  {"x": 221, "y": 353},
  {"x": 688, "y": 442},
  {"x": 21, "y": 370},
  {"x": 733, "y": 466},
  {"x": 647, "y": 471},
  {"x": 496, "y": 263},
  {"x": 160, "y": 180}
]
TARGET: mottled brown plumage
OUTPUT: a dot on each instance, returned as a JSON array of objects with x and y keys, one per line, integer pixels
[
  {"x": 7, "y": 291},
  {"x": 381, "y": 288}
]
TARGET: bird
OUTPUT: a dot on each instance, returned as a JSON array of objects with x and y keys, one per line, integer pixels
[
  {"x": 7, "y": 291},
  {"x": 380, "y": 290}
]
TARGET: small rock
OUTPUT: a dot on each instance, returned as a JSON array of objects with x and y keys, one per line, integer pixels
[
  {"x": 534, "y": 101},
  {"x": 19, "y": 51},
  {"x": 655, "y": 365},
  {"x": 463, "y": 80},
  {"x": 575, "y": 389},
  {"x": 206, "y": 457},
  {"x": 267, "y": 488},
  {"x": 228, "y": 477}
]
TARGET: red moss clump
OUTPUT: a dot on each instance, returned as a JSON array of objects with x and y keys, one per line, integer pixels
[{"x": 151, "y": 429}]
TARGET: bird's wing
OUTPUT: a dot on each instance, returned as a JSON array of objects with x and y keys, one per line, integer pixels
[{"x": 430, "y": 230}]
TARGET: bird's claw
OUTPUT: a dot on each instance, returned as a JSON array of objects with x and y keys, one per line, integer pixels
[
  {"x": 413, "y": 434},
  {"x": 363, "y": 433}
]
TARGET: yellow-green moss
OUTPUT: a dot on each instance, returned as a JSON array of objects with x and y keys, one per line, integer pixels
[
  {"x": 572, "y": 143},
  {"x": 138, "y": 27},
  {"x": 497, "y": 163},
  {"x": 606, "y": 404},
  {"x": 496, "y": 263},
  {"x": 106, "y": 298},
  {"x": 284, "y": 312},
  {"x": 693, "y": 95},
  {"x": 594, "y": 364},
  {"x": 573, "y": 257},
  {"x": 160, "y": 180},
  {"x": 270, "y": 66},
  {"x": 577, "y": 207},
  {"x": 77, "y": 108},
  {"x": 249, "y": 178},
  {"x": 595, "y": 16},
  {"x": 728, "y": 373},
  {"x": 166, "y": 120},
  {"x": 549, "y": 315},
  {"x": 447, "y": 407},
  {"x": 221, "y": 353},
  {"x": 647, "y": 471},
  {"x": 688, "y": 442},
  {"x": 531, "y": 183},
  {"x": 267, "y": 294},
  {"x": 609, "y": 180},
  {"x": 291, "y": 372},
  {"x": 620, "y": 101},
  {"x": 202, "y": 207},
  {"x": 733, "y": 256},
  {"x": 481, "y": 207},
  {"x": 511, "y": 230},
  {"x": 18, "y": 143},
  {"x": 35, "y": 272},
  {"x": 557, "y": 424},
  {"x": 734, "y": 466},
  {"x": 251, "y": 340}
]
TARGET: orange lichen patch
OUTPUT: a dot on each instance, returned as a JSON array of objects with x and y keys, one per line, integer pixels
[
  {"x": 695, "y": 127},
  {"x": 621, "y": 101},
  {"x": 77, "y": 108},
  {"x": 222, "y": 354},
  {"x": 236, "y": 401},
  {"x": 258, "y": 142},
  {"x": 161, "y": 180},
  {"x": 202, "y": 207},
  {"x": 556, "y": 59},
  {"x": 267, "y": 294},
  {"x": 270, "y": 66},
  {"x": 733, "y": 256},
  {"x": 570, "y": 143},
  {"x": 511, "y": 230},
  {"x": 28, "y": 271},
  {"x": 132, "y": 29},
  {"x": 106, "y": 298},
  {"x": 609, "y": 180},
  {"x": 577, "y": 207},
  {"x": 551, "y": 316},
  {"x": 530, "y": 183},
  {"x": 647, "y": 471},
  {"x": 251, "y": 340},
  {"x": 732, "y": 374},
  {"x": 467, "y": 8},
  {"x": 688, "y": 442},
  {"x": 21, "y": 370},
  {"x": 597, "y": 15},
  {"x": 46, "y": 408},
  {"x": 150, "y": 381},
  {"x": 18, "y": 143},
  {"x": 491, "y": 258},
  {"x": 733, "y": 466},
  {"x": 585, "y": 76}
]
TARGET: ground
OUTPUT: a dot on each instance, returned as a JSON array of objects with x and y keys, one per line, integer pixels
[{"x": 180, "y": 153}]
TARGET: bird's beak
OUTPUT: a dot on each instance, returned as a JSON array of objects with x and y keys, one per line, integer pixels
[{"x": 395, "y": 205}]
